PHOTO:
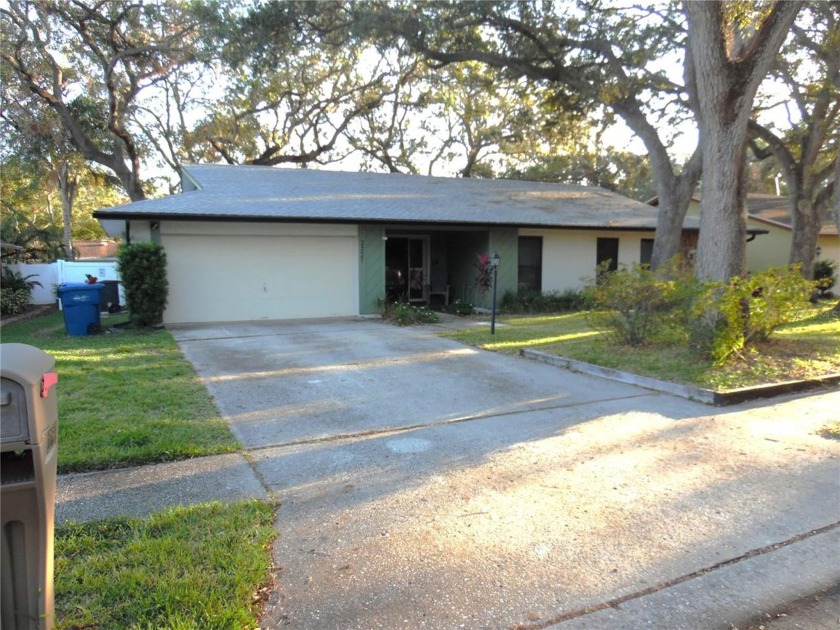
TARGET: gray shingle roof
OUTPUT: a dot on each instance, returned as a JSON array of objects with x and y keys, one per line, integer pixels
[
  {"x": 258, "y": 193},
  {"x": 777, "y": 210}
]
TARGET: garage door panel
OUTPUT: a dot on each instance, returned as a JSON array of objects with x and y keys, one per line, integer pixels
[{"x": 259, "y": 278}]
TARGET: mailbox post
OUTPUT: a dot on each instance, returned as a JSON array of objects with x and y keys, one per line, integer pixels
[{"x": 29, "y": 450}]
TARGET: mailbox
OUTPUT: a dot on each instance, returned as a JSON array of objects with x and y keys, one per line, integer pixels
[{"x": 28, "y": 455}]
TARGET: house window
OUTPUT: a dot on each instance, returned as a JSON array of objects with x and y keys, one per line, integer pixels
[
  {"x": 530, "y": 264},
  {"x": 607, "y": 249},
  {"x": 646, "y": 255}
]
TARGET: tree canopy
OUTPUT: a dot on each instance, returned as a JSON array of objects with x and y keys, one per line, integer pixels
[{"x": 516, "y": 88}]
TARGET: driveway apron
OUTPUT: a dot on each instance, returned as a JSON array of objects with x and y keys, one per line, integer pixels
[
  {"x": 292, "y": 383},
  {"x": 427, "y": 484}
]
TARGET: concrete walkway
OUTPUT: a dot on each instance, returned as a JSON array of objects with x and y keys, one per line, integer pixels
[{"x": 428, "y": 485}]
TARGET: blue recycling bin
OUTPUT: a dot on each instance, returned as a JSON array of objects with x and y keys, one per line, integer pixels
[{"x": 80, "y": 303}]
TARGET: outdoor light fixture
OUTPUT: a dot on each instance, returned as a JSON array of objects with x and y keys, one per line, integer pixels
[{"x": 495, "y": 259}]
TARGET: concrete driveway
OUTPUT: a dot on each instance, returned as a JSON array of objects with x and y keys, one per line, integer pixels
[{"x": 426, "y": 484}]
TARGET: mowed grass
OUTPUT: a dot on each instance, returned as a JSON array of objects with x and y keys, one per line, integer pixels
[
  {"x": 806, "y": 349},
  {"x": 124, "y": 397},
  {"x": 204, "y": 567}
]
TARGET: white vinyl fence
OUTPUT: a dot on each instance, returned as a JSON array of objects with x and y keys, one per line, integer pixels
[{"x": 51, "y": 275}]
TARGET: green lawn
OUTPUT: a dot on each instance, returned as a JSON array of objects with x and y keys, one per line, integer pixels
[
  {"x": 129, "y": 397},
  {"x": 124, "y": 398},
  {"x": 199, "y": 567},
  {"x": 805, "y": 349}
]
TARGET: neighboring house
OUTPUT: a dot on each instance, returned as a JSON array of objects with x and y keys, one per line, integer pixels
[
  {"x": 769, "y": 215},
  {"x": 772, "y": 213},
  {"x": 249, "y": 243}
]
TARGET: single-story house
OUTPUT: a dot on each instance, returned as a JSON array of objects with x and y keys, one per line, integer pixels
[
  {"x": 770, "y": 215},
  {"x": 250, "y": 243}
]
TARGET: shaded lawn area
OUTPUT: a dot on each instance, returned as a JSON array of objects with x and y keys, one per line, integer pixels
[
  {"x": 203, "y": 566},
  {"x": 124, "y": 398},
  {"x": 802, "y": 350}
]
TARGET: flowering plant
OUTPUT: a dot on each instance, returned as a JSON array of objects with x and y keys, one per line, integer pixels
[{"x": 484, "y": 275}]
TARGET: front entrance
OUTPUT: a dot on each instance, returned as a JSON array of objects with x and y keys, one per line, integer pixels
[{"x": 406, "y": 268}]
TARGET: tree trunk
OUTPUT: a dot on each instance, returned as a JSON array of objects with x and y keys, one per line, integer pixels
[
  {"x": 836, "y": 309},
  {"x": 673, "y": 191},
  {"x": 837, "y": 193},
  {"x": 675, "y": 194},
  {"x": 806, "y": 230},
  {"x": 721, "y": 246},
  {"x": 68, "y": 184},
  {"x": 669, "y": 223},
  {"x": 727, "y": 78}
]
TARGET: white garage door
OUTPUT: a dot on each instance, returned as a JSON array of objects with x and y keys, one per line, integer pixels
[{"x": 253, "y": 272}]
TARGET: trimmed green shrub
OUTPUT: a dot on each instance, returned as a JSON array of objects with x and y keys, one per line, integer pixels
[
  {"x": 529, "y": 302},
  {"x": 142, "y": 268}
]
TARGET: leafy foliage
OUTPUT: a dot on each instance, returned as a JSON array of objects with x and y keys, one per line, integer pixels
[
  {"x": 16, "y": 291},
  {"x": 404, "y": 314},
  {"x": 460, "y": 308},
  {"x": 29, "y": 243},
  {"x": 631, "y": 303},
  {"x": 718, "y": 319},
  {"x": 142, "y": 268},
  {"x": 731, "y": 316},
  {"x": 13, "y": 301},
  {"x": 117, "y": 51},
  {"x": 548, "y": 302},
  {"x": 825, "y": 275},
  {"x": 483, "y": 274}
]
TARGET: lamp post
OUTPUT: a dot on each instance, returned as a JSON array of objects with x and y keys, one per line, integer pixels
[{"x": 495, "y": 259}]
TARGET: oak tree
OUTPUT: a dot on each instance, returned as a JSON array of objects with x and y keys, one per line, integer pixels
[
  {"x": 804, "y": 148},
  {"x": 730, "y": 51}
]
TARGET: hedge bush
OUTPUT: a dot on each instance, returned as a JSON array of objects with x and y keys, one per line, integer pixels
[
  {"x": 142, "y": 268},
  {"x": 531, "y": 302}
]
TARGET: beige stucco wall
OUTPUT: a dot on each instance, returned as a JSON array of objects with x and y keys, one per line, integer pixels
[
  {"x": 829, "y": 248},
  {"x": 569, "y": 255},
  {"x": 767, "y": 250},
  {"x": 259, "y": 271},
  {"x": 773, "y": 249}
]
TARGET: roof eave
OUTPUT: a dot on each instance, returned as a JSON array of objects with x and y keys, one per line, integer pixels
[{"x": 146, "y": 216}]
